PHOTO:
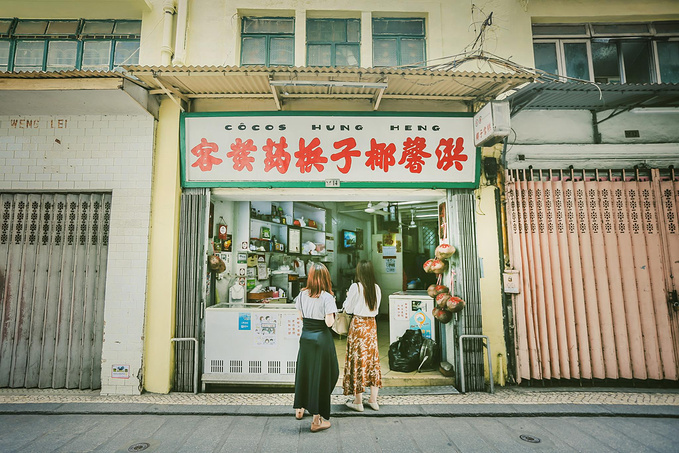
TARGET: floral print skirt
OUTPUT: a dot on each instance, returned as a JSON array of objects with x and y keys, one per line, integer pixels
[{"x": 362, "y": 364}]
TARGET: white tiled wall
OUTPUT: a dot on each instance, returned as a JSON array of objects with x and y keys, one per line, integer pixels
[{"x": 96, "y": 153}]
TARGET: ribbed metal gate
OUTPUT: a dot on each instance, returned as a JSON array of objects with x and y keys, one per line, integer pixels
[
  {"x": 53, "y": 250},
  {"x": 190, "y": 283},
  {"x": 598, "y": 255},
  {"x": 462, "y": 214}
]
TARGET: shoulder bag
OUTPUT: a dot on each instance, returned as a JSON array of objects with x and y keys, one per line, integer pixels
[{"x": 342, "y": 321}]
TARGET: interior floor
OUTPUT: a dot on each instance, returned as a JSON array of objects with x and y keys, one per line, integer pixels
[{"x": 391, "y": 378}]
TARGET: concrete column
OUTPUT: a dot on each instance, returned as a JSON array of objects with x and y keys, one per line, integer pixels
[
  {"x": 366, "y": 39},
  {"x": 161, "y": 289},
  {"x": 300, "y": 38},
  {"x": 180, "y": 35}
]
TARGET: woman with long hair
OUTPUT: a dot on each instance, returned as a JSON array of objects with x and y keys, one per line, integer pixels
[
  {"x": 317, "y": 368},
  {"x": 362, "y": 364}
]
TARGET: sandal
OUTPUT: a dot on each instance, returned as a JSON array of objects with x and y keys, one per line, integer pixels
[
  {"x": 324, "y": 424},
  {"x": 299, "y": 413}
]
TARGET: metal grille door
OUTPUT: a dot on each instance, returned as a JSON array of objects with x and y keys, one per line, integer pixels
[
  {"x": 597, "y": 255},
  {"x": 193, "y": 225},
  {"x": 53, "y": 250}
]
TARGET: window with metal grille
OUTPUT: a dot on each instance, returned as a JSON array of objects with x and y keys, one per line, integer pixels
[
  {"x": 609, "y": 53},
  {"x": 429, "y": 236},
  {"x": 268, "y": 41},
  {"x": 333, "y": 42},
  {"x": 57, "y": 45},
  {"x": 398, "y": 42}
]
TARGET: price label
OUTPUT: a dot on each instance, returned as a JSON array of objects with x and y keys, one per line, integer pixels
[{"x": 332, "y": 183}]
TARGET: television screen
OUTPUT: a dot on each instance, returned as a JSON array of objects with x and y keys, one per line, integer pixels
[{"x": 348, "y": 240}]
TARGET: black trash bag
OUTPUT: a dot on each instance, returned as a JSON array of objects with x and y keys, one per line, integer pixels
[
  {"x": 429, "y": 355},
  {"x": 404, "y": 353}
]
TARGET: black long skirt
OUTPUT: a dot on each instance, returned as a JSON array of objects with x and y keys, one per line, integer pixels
[{"x": 317, "y": 369}]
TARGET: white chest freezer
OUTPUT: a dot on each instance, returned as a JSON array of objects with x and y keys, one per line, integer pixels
[
  {"x": 251, "y": 344},
  {"x": 410, "y": 309}
]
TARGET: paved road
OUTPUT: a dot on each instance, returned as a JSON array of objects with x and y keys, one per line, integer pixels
[{"x": 284, "y": 434}]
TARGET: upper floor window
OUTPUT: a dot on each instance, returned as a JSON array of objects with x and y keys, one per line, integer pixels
[
  {"x": 54, "y": 45},
  {"x": 398, "y": 42},
  {"x": 609, "y": 53},
  {"x": 268, "y": 41},
  {"x": 333, "y": 42}
]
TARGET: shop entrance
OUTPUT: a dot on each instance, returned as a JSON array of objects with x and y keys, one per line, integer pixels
[{"x": 267, "y": 238}]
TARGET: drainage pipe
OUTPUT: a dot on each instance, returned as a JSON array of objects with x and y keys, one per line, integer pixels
[{"x": 166, "y": 47}]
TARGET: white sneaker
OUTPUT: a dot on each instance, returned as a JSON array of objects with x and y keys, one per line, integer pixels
[
  {"x": 375, "y": 406},
  {"x": 354, "y": 406}
]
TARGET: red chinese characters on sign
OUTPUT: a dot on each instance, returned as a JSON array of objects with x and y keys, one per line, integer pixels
[
  {"x": 414, "y": 154},
  {"x": 240, "y": 153},
  {"x": 448, "y": 155},
  {"x": 203, "y": 151},
  {"x": 276, "y": 155},
  {"x": 347, "y": 153},
  {"x": 310, "y": 156},
  {"x": 381, "y": 155}
]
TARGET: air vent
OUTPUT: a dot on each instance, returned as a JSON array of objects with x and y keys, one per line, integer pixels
[
  {"x": 275, "y": 367},
  {"x": 216, "y": 366},
  {"x": 292, "y": 365},
  {"x": 632, "y": 134},
  {"x": 255, "y": 367},
  {"x": 236, "y": 366}
]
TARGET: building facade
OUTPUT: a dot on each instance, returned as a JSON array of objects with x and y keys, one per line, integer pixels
[{"x": 423, "y": 60}]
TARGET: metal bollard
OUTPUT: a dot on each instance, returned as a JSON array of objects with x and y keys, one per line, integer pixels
[
  {"x": 490, "y": 360},
  {"x": 195, "y": 361}
]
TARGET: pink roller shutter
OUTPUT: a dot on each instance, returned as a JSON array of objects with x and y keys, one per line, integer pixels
[{"x": 598, "y": 255}]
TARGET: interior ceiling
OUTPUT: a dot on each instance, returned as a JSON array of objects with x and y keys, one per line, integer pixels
[
  {"x": 420, "y": 200},
  {"x": 318, "y": 195}
]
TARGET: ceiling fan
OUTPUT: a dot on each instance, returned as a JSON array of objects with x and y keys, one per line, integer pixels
[{"x": 377, "y": 209}]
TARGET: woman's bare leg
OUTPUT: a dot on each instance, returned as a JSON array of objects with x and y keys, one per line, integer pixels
[{"x": 373, "y": 394}]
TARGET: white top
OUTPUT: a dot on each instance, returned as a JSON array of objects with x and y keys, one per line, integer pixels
[
  {"x": 356, "y": 304},
  {"x": 315, "y": 307}
]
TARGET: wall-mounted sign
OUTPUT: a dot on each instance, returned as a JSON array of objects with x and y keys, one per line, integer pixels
[
  {"x": 491, "y": 123},
  {"x": 120, "y": 371},
  {"x": 321, "y": 149}
]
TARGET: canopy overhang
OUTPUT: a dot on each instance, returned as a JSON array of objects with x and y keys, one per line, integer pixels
[
  {"x": 73, "y": 93},
  {"x": 592, "y": 96},
  {"x": 281, "y": 84}
]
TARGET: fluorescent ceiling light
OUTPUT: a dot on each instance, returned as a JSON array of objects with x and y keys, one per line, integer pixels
[
  {"x": 405, "y": 203},
  {"x": 422, "y": 216},
  {"x": 326, "y": 83},
  {"x": 655, "y": 110}
]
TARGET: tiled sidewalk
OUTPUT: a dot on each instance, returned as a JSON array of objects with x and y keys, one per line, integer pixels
[{"x": 502, "y": 396}]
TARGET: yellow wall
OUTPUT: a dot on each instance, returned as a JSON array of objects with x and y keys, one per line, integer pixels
[
  {"x": 602, "y": 10},
  {"x": 491, "y": 290},
  {"x": 162, "y": 270}
]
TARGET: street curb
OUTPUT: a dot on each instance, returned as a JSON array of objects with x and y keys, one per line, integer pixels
[{"x": 431, "y": 410}]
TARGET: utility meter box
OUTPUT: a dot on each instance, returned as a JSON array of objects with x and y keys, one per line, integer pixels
[
  {"x": 492, "y": 123},
  {"x": 512, "y": 281}
]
